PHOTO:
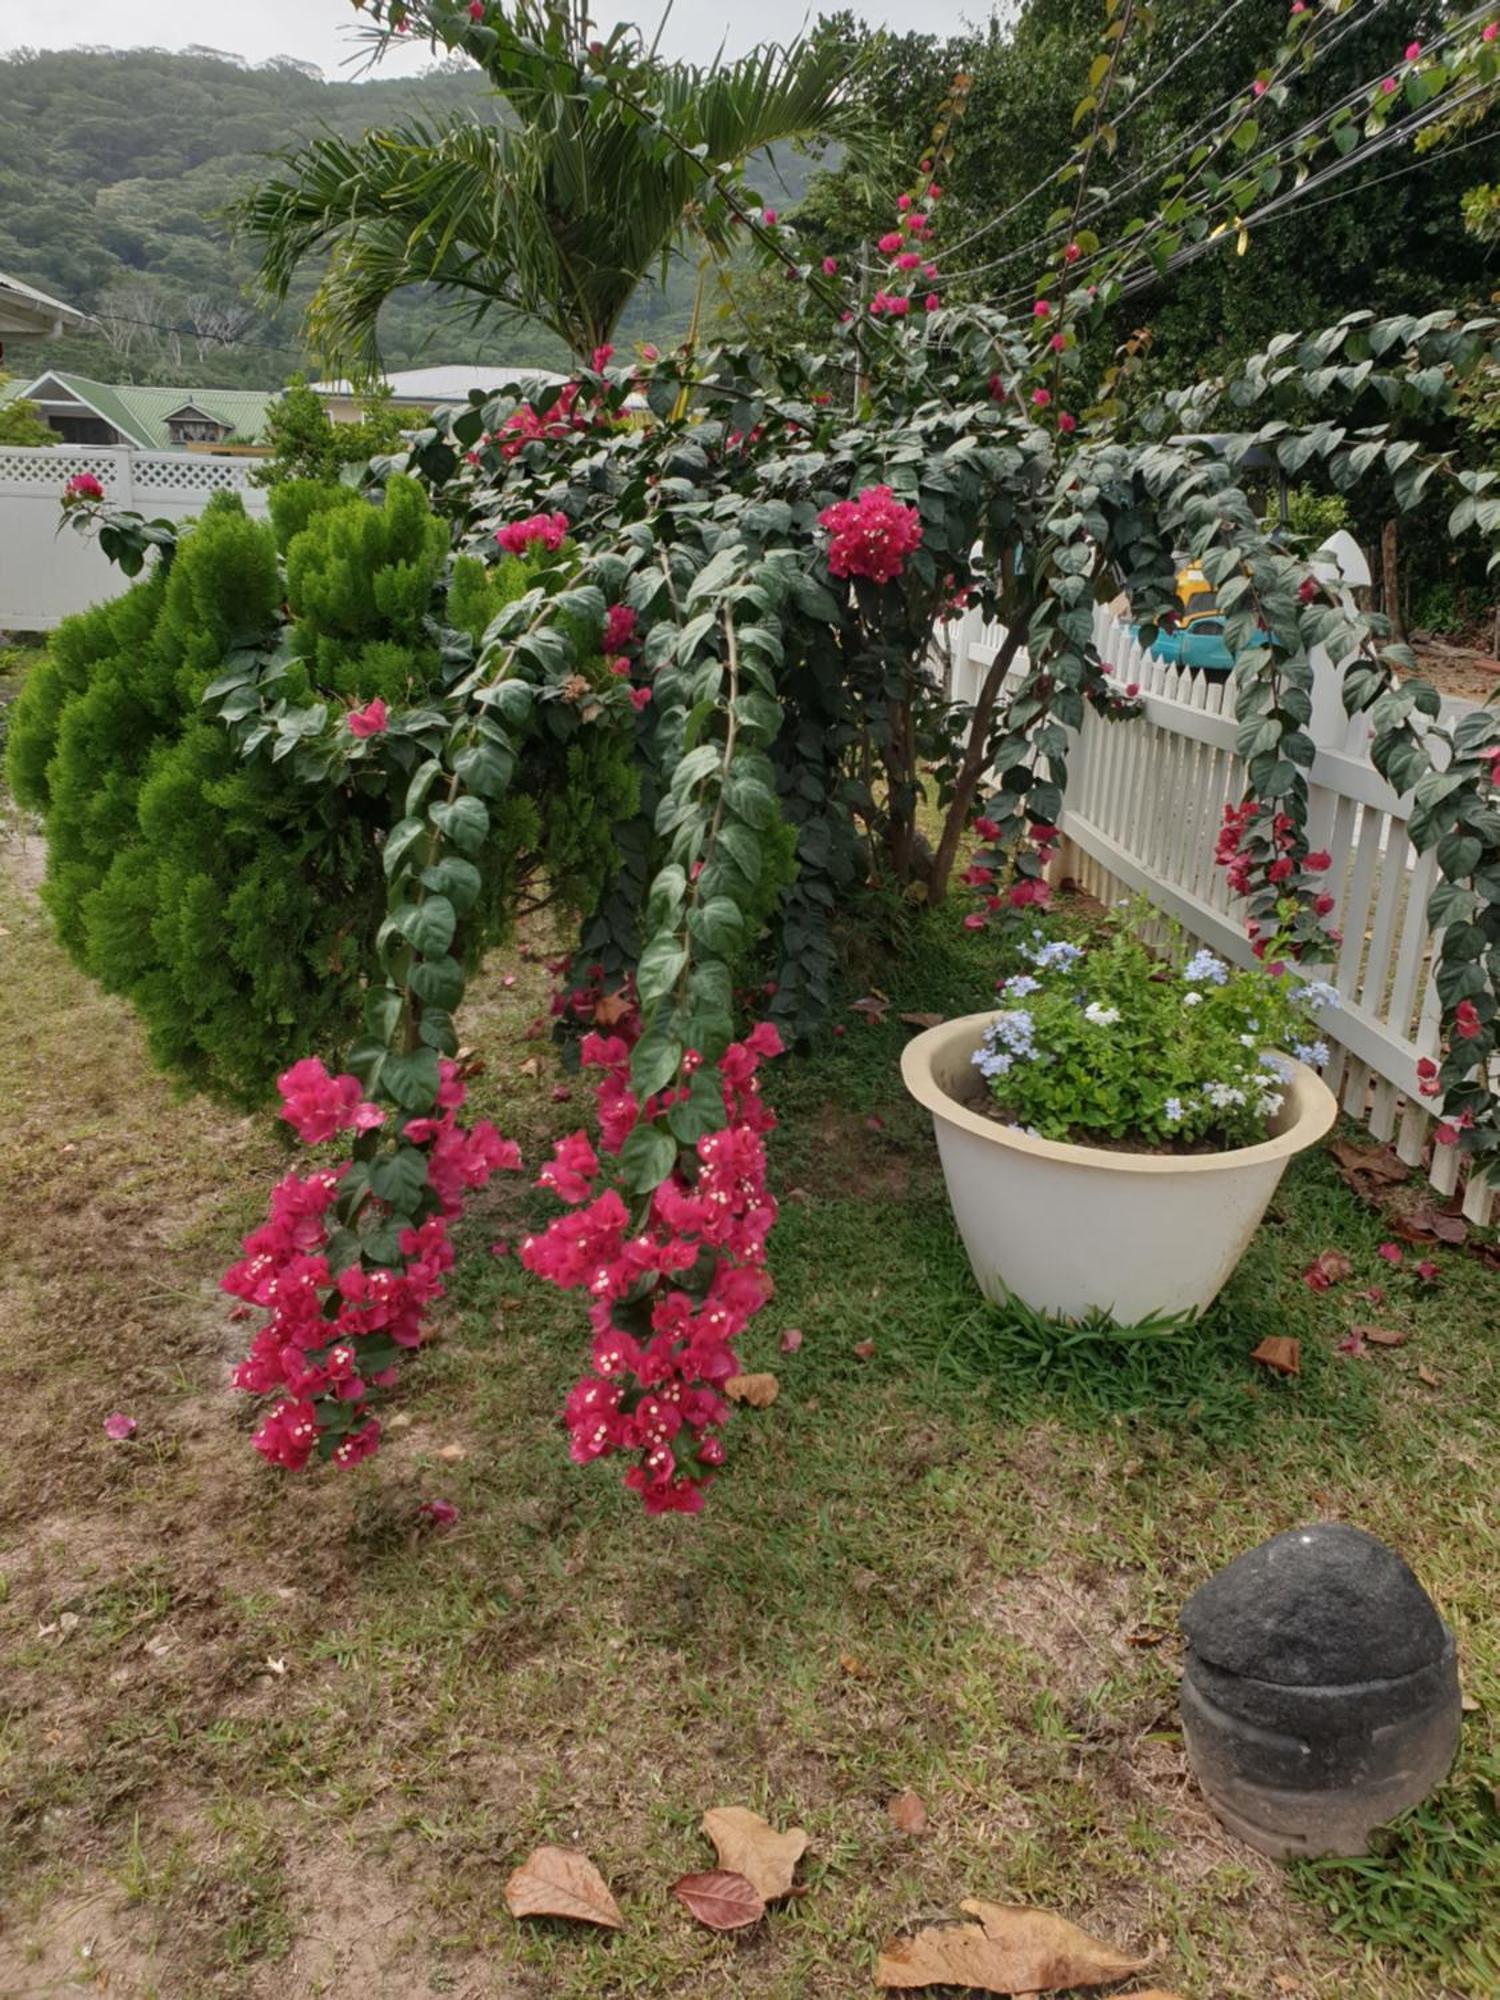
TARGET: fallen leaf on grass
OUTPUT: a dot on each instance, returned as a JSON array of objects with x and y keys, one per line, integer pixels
[
  {"x": 750, "y": 1846},
  {"x": 1327, "y": 1269},
  {"x": 907, "y": 1813},
  {"x": 531, "y": 1067},
  {"x": 864, "y": 1349},
  {"x": 853, "y": 1666},
  {"x": 562, "y": 1882},
  {"x": 921, "y": 1020},
  {"x": 759, "y": 1391},
  {"x": 1421, "y": 1224},
  {"x": 1382, "y": 1336},
  {"x": 452, "y": 1453},
  {"x": 1375, "y": 1163},
  {"x": 1426, "y": 1375},
  {"x": 1281, "y": 1352},
  {"x": 874, "y": 1007},
  {"x": 1012, "y": 1949},
  {"x": 721, "y": 1899}
]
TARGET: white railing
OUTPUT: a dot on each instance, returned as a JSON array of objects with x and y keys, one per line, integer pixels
[
  {"x": 44, "y": 575},
  {"x": 1145, "y": 801}
]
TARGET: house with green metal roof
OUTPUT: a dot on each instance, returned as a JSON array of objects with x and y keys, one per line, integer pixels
[{"x": 83, "y": 411}]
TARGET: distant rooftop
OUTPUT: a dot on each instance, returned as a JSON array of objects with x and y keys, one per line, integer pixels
[
  {"x": 449, "y": 383},
  {"x": 24, "y": 309}
]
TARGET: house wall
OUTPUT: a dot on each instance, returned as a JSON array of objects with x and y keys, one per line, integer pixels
[{"x": 46, "y": 575}]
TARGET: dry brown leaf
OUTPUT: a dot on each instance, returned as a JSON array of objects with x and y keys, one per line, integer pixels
[
  {"x": 874, "y": 1007},
  {"x": 1376, "y": 1163},
  {"x": 1382, "y": 1336},
  {"x": 750, "y": 1846},
  {"x": 1333, "y": 1265},
  {"x": 1281, "y": 1352},
  {"x": 1426, "y": 1375},
  {"x": 721, "y": 1899},
  {"x": 1153, "y": 1993},
  {"x": 611, "y": 1008},
  {"x": 759, "y": 1391},
  {"x": 1012, "y": 1949},
  {"x": 907, "y": 1813},
  {"x": 854, "y": 1666},
  {"x": 864, "y": 1349},
  {"x": 451, "y": 1454},
  {"x": 562, "y": 1882},
  {"x": 922, "y": 1020},
  {"x": 531, "y": 1067}
]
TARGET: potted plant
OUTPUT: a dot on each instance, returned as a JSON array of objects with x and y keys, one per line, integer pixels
[{"x": 1111, "y": 1135}]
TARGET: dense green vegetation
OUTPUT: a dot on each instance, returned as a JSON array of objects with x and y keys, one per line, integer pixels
[{"x": 115, "y": 170}]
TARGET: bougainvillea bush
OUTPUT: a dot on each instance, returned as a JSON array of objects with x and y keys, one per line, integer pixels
[{"x": 656, "y": 647}]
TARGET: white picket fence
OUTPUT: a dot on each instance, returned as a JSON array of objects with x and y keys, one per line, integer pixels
[
  {"x": 45, "y": 576},
  {"x": 1145, "y": 800}
]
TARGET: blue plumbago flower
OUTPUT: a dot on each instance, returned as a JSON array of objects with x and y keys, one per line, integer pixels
[
  {"x": 1192, "y": 999},
  {"x": 1010, "y": 1035},
  {"x": 1318, "y": 994},
  {"x": 1314, "y": 1053},
  {"x": 1278, "y": 1064},
  {"x": 1021, "y": 985},
  {"x": 1172, "y": 1110},
  {"x": 1100, "y": 1015},
  {"x": 1048, "y": 956},
  {"x": 1205, "y": 968},
  {"x": 990, "y": 1062},
  {"x": 1223, "y": 1096}
]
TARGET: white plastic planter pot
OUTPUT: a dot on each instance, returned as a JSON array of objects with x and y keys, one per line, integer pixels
[{"x": 1071, "y": 1230}]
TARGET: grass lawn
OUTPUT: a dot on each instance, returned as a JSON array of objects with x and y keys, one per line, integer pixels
[{"x": 265, "y": 1736}]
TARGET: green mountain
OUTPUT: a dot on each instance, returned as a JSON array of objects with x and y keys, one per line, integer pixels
[{"x": 114, "y": 172}]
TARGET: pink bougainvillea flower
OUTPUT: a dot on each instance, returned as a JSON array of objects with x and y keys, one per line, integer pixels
[
  {"x": 891, "y": 242},
  {"x": 118, "y": 1426},
  {"x": 1066, "y": 422},
  {"x": 639, "y": 698},
  {"x": 1413, "y": 50},
  {"x": 1041, "y": 398},
  {"x": 870, "y": 535},
  {"x": 830, "y": 267},
  {"x": 619, "y": 627},
  {"x": 1041, "y": 310},
  {"x": 371, "y": 720},
  {"x": 500, "y": 1248},
  {"x": 1258, "y": 88},
  {"x": 908, "y": 260},
  {"x": 439, "y": 1513},
  {"x": 1446, "y": 1135},
  {"x": 931, "y": 302},
  {"x": 903, "y": 202},
  {"x": 769, "y": 218},
  {"x": 1058, "y": 342},
  {"x": 550, "y": 530},
  {"x": 987, "y": 829},
  {"x": 1427, "y": 1271},
  {"x": 974, "y": 921},
  {"x": 1391, "y": 1252},
  {"x": 1489, "y": 31},
  {"x": 83, "y": 486},
  {"x": 1466, "y": 1021},
  {"x": 1071, "y": 253},
  {"x": 1387, "y": 85},
  {"x": 1319, "y": 862},
  {"x": 476, "y": 10}
]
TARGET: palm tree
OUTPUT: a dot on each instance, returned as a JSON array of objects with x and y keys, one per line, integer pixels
[{"x": 603, "y": 159}]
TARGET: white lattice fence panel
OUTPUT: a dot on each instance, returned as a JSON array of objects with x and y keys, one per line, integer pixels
[{"x": 44, "y": 575}]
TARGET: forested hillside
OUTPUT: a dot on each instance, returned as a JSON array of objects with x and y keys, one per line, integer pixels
[{"x": 114, "y": 171}]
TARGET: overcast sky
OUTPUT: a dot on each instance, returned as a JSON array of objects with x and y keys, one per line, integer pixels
[{"x": 318, "y": 31}]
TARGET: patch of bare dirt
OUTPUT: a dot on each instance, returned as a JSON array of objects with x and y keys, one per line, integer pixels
[
  {"x": 86, "y": 1940},
  {"x": 1469, "y": 673},
  {"x": 857, "y": 1159}
]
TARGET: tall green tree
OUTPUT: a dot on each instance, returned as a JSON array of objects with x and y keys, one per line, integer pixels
[{"x": 599, "y": 160}]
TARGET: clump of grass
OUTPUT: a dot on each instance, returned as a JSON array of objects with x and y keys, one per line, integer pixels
[{"x": 1431, "y": 1890}]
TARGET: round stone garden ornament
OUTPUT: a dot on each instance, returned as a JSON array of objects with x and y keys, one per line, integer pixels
[{"x": 1320, "y": 1695}]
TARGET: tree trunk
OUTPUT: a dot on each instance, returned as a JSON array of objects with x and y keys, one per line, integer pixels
[
  {"x": 971, "y": 768},
  {"x": 1390, "y": 580}
]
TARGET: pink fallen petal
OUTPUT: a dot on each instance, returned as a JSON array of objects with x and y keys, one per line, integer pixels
[
  {"x": 791, "y": 1340},
  {"x": 441, "y": 1513},
  {"x": 118, "y": 1426}
]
